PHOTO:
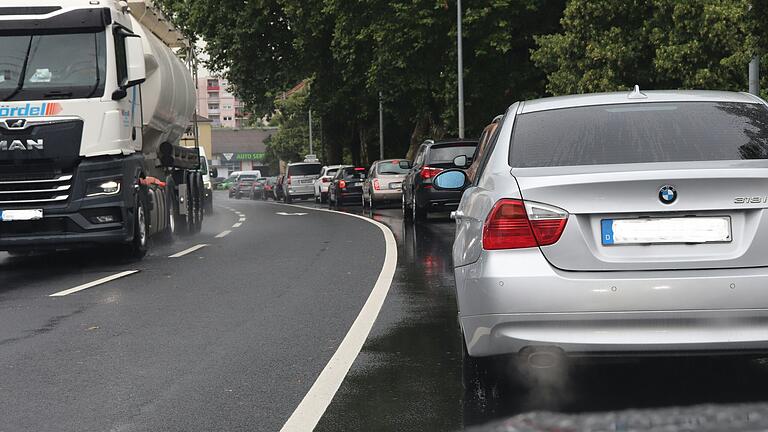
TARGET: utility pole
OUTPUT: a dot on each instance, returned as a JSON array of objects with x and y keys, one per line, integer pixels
[
  {"x": 461, "y": 69},
  {"x": 310, "y": 132},
  {"x": 754, "y": 75},
  {"x": 381, "y": 128}
]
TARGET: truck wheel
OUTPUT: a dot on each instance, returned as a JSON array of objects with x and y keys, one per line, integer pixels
[
  {"x": 194, "y": 201},
  {"x": 172, "y": 204},
  {"x": 138, "y": 246}
]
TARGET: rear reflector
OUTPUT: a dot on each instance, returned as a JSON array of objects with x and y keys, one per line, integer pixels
[{"x": 514, "y": 224}]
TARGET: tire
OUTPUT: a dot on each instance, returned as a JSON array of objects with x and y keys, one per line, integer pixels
[
  {"x": 419, "y": 213},
  {"x": 287, "y": 199},
  {"x": 407, "y": 213},
  {"x": 172, "y": 204},
  {"x": 323, "y": 197},
  {"x": 198, "y": 198},
  {"x": 139, "y": 245},
  {"x": 372, "y": 203}
]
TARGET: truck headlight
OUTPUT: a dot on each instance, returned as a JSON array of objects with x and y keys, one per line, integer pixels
[{"x": 102, "y": 188}]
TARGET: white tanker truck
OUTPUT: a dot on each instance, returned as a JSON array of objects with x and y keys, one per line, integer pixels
[{"x": 93, "y": 102}]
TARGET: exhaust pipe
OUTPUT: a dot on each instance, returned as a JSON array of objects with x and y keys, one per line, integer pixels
[{"x": 542, "y": 357}]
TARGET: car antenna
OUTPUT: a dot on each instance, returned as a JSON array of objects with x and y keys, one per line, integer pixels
[{"x": 637, "y": 94}]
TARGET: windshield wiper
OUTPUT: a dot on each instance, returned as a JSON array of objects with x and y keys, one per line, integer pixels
[
  {"x": 57, "y": 94},
  {"x": 23, "y": 73}
]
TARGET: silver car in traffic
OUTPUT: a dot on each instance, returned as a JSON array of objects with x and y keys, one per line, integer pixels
[
  {"x": 384, "y": 182},
  {"x": 620, "y": 223}
]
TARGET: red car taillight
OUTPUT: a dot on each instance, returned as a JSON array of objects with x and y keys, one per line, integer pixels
[
  {"x": 428, "y": 172},
  {"x": 376, "y": 184},
  {"x": 326, "y": 180},
  {"x": 515, "y": 224},
  {"x": 342, "y": 184}
]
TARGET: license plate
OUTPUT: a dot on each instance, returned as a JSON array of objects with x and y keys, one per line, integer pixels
[
  {"x": 666, "y": 230},
  {"x": 395, "y": 185},
  {"x": 20, "y": 215},
  {"x": 357, "y": 184},
  {"x": 307, "y": 181}
]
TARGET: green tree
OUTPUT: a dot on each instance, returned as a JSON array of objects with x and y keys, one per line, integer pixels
[{"x": 608, "y": 45}]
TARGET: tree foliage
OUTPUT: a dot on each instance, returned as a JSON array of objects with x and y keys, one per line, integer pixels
[
  {"x": 353, "y": 51},
  {"x": 608, "y": 45}
]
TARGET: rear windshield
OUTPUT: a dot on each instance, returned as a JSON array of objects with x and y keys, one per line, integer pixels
[
  {"x": 649, "y": 132},
  {"x": 332, "y": 172},
  {"x": 446, "y": 154},
  {"x": 304, "y": 170},
  {"x": 393, "y": 167},
  {"x": 353, "y": 174}
]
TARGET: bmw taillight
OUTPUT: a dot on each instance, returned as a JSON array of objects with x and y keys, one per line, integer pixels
[
  {"x": 516, "y": 224},
  {"x": 342, "y": 184},
  {"x": 376, "y": 184},
  {"x": 429, "y": 172}
]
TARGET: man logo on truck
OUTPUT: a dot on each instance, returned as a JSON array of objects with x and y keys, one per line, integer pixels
[
  {"x": 19, "y": 145},
  {"x": 16, "y": 123}
]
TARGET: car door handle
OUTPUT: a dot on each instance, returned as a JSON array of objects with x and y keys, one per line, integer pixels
[{"x": 456, "y": 215}]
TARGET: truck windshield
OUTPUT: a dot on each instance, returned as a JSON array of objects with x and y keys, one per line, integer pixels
[{"x": 55, "y": 66}]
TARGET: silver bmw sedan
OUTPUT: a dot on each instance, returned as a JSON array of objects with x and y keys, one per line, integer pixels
[{"x": 618, "y": 223}]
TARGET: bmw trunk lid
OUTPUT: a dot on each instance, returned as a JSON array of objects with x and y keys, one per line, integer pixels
[{"x": 650, "y": 186}]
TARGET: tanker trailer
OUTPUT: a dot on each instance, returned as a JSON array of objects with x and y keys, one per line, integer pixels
[{"x": 93, "y": 102}]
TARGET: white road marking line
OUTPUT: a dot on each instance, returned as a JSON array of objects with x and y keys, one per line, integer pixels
[
  {"x": 313, "y": 406},
  {"x": 242, "y": 219},
  {"x": 188, "y": 251},
  {"x": 94, "y": 283},
  {"x": 237, "y": 225},
  {"x": 224, "y": 234}
]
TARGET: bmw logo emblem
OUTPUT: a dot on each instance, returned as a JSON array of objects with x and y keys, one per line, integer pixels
[{"x": 667, "y": 194}]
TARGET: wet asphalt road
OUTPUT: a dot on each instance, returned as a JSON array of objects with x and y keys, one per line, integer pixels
[{"x": 232, "y": 336}]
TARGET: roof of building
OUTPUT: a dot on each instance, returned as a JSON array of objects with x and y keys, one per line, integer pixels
[
  {"x": 240, "y": 140},
  {"x": 201, "y": 119}
]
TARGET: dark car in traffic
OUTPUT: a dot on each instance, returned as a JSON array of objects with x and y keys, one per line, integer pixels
[
  {"x": 419, "y": 197},
  {"x": 257, "y": 188},
  {"x": 242, "y": 187},
  {"x": 346, "y": 186}
]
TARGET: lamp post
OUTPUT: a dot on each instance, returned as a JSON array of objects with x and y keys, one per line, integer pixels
[
  {"x": 460, "y": 69},
  {"x": 381, "y": 128}
]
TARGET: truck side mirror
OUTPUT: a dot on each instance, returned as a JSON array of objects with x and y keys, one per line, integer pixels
[
  {"x": 134, "y": 59},
  {"x": 214, "y": 172}
]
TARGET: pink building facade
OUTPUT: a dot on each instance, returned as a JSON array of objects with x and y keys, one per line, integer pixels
[{"x": 217, "y": 104}]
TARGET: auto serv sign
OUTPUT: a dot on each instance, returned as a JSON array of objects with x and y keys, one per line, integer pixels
[{"x": 30, "y": 109}]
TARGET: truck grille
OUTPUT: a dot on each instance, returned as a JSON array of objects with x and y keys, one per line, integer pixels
[{"x": 39, "y": 191}]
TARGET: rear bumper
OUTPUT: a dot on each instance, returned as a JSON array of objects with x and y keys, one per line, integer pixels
[
  {"x": 434, "y": 200},
  {"x": 510, "y": 300},
  {"x": 386, "y": 195},
  {"x": 307, "y": 190}
]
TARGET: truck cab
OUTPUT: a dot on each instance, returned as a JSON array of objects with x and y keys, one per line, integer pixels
[{"x": 88, "y": 95}]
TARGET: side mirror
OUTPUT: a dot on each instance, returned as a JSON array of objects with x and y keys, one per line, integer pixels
[
  {"x": 214, "y": 172},
  {"x": 451, "y": 180},
  {"x": 134, "y": 60},
  {"x": 460, "y": 161}
]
